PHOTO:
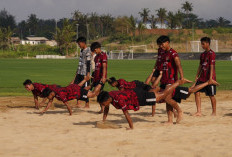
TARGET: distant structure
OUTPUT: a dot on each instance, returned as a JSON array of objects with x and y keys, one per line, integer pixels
[
  {"x": 15, "y": 40},
  {"x": 38, "y": 41}
]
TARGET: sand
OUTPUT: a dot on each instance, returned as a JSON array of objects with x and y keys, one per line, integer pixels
[{"x": 25, "y": 133}]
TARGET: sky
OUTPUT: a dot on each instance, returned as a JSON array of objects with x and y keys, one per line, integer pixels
[{"x": 47, "y": 9}]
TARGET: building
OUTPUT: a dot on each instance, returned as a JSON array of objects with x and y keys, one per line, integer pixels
[{"x": 34, "y": 40}]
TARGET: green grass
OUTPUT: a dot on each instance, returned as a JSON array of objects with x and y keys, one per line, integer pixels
[{"x": 14, "y": 71}]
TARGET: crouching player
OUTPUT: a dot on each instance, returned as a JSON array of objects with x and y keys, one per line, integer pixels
[
  {"x": 133, "y": 99},
  {"x": 37, "y": 89},
  {"x": 73, "y": 91}
]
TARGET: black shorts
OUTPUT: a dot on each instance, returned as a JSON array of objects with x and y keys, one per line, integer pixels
[
  {"x": 142, "y": 85},
  {"x": 145, "y": 98},
  {"x": 84, "y": 95},
  {"x": 80, "y": 78},
  {"x": 163, "y": 86},
  {"x": 96, "y": 83},
  {"x": 156, "y": 73},
  {"x": 181, "y": 93},
  {"x": 209, "y": 90}
]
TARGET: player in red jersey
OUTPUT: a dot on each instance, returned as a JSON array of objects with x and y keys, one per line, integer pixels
[
  {"x": 206, "y": 71},
  {"x": 133, "y": 99},
  {"x": 73, "y": 91},
  {"x": 37, "y": 89},
  {"x": 171, "y": 66},
  {"x": 100, "y": 73}
]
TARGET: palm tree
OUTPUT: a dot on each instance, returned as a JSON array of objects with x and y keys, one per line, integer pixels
[
  {"x": 161, "y": 13},
  {"x": 132, "y": 25},
  {"x": 172, "y": 20},
  {"x": 144, "y": 14},
  {"x": 187, "y": 7},
  {"x": 179, "y": 18},
  {"x": 153, "y": 21}
]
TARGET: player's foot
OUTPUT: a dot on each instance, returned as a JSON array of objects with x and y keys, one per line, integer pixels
[
  {"x": 100, "y": 112},
  {"x": 214, "y": 82},
  {"x": 197, "y": 114},
  {"x": 213, "y": 114},
  {"x": 179, "y": 117},
  {"x": 86, "y": 106},
  {"x": 168, "y": 123},
  {"x": 78, "y": 106}
]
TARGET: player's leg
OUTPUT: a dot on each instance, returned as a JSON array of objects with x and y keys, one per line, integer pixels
[
  {"x": 170, "y": 102},
  {"x": 77, "y": 80},
  {"x": 211, "y": 92},
  {"x": 198, "y": 104},
  {"x": 213, "y": 102},
  {"x": 198, "y": 87}
]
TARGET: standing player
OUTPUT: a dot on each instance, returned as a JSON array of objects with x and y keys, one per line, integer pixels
[
  {"x": 37, "y": 89},
  {"x": 84, "y": 66},
  {"x": 206, "y": 71},
  {"x": 171, "y": 66},
  {"x": 100, "y": 73}
]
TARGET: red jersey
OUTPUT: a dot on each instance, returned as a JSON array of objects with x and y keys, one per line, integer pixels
[
  {"x": 125, "y": 100},
  {"x": 206, "y": 60},
  {"x": 38, "y": 88},
  {"x": 169, "y": 67},
  {"x": 99, "y": 60},
  {"x": 126, "y": 85},
  {"x": 70, "y": 92},
  {"x": 158, "y": 64}
]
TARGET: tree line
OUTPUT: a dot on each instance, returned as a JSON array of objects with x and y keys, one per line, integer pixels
[{"x": 94, "y": 25}]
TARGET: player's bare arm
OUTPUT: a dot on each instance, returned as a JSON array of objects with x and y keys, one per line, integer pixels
[
  {"x": 179, "y": 67},
  {"x": 50, "y": 98},
  {"x": 104, "y": 73},
  {"x": 106, "y": 111},
  {"x": 36, "y": 102},
  {"x": 129, "y": 120}
]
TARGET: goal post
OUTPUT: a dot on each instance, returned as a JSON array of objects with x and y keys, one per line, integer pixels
[{"x": 196, "y": 46}]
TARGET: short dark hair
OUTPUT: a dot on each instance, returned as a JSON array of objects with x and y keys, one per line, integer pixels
[
  {"x": 27, "y": 82},
  {"x": 163, "y": 39},
  {"x": 95, "y": 45},
  {"x": 103, "y": 96},
  {"x": 112, "y": 80},
  {"x": 81, "y": 39},
  {"x": 46, "y": 92},
  {"x": 206, "y": 39}
]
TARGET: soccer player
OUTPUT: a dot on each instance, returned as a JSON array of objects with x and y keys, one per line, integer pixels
[
  {"x": 37, "y": 89},
  {"x": 122, "y": 84},
  {"x": 83, "y": 66},
  {"x": 73, "y": 91},
  {"x": 171, "y": 66},
  {"x": 100, "y": 73},
  {"x": 158, "y": 64},
  {"x": 206, "y": 71},
  {"x": 133, "y": 99}
]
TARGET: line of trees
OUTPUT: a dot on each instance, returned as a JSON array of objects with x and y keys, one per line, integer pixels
[{"x": 95, "y": 26}]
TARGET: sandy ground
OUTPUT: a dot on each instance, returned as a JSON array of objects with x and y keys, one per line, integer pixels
[{"x": 23, "y": 132}]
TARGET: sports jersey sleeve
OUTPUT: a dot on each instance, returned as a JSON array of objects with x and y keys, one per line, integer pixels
[
  {"x": 121, "y": 102},
  {"x": 104, "y": 58},
  {"x": 121, "y": 83},
  {"x": 212, "y": 58},
  {"x": 174, "y": 54}
]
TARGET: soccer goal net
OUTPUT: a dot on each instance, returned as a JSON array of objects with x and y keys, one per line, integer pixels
[
  {"x": 116, "y": 54},
  {"x": 138, "y": 48},
  {"x": 196, "y": 46}
]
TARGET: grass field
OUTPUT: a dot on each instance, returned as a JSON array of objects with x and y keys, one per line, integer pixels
[{"x": 14, "y": 71}]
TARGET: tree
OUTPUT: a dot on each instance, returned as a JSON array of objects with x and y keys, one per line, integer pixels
[
  {"x": 32, "y": 24},
  {"x": 5, "y": 37},
  {"x": 161, "y": 13},
  {"x": 222, "y": 22},
  {"x": 187, "y": 7},
  {"x": 132, "y": 25},
  {"x": 65, "y": 35},
  {"x": 144, "y": 14},
  {"x": 7, "y": 20},
  {"x": 153, "y": 21},
  {"x": 141, "y": 29},
  {"x": 172, "y": 20}
]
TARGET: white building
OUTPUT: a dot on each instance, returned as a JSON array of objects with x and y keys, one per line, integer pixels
[{"x": 34, "y": 40}]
